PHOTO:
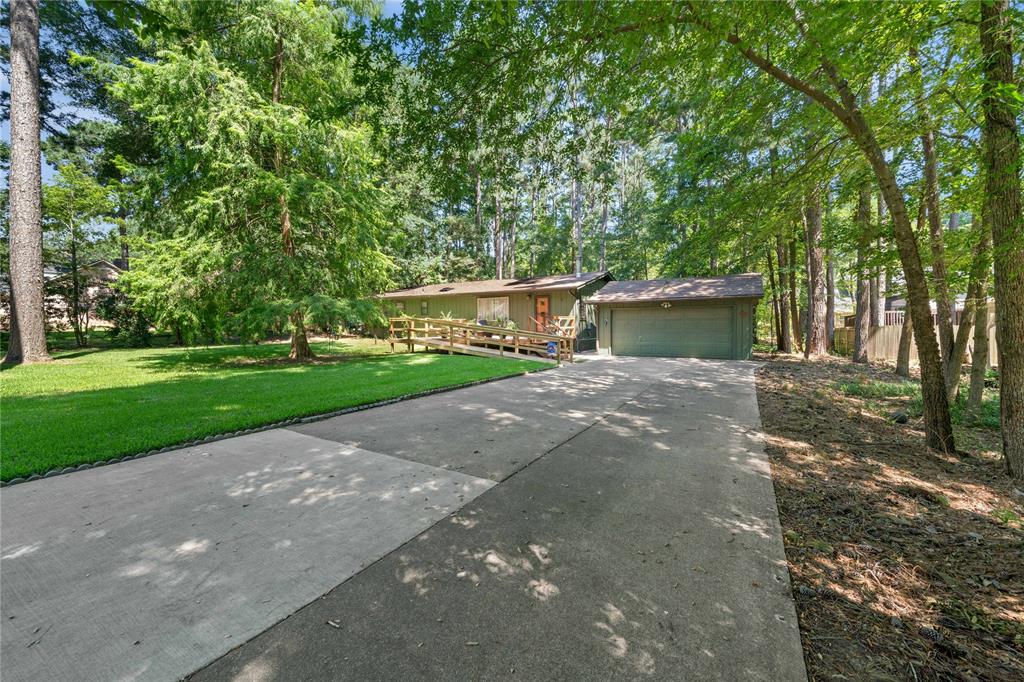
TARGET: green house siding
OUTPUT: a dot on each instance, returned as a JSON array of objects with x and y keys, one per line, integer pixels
[
  {"x": 701, "y": 329},
  {"x": 463, "y": 306}
]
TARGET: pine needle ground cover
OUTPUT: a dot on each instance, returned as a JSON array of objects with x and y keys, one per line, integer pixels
[
  {"x": 906, "y": 564},
  {"x": 92, "y": 405}
]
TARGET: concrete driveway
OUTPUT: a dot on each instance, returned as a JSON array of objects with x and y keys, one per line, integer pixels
[{"x": 609, "y": 519}]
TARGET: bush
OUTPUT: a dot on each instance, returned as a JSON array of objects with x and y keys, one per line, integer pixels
[{"x": 128, "y": 325}]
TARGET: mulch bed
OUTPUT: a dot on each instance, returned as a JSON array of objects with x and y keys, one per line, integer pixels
[{"x": 906, "y": 564}]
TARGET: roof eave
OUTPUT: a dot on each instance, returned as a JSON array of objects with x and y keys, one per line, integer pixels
[
  {"x": 659, "y": 299},
  {"x": 412, "y": 293}
]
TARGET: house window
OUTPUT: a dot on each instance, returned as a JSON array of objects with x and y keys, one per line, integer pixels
[
  {"x": 492, "y": 309},
  {"x": 400, "y": 307},
  {"x": 424, "y": 308}
]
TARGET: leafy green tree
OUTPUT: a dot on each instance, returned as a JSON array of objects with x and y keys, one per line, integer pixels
[
  {"x": 74, "y": 205},
  {"x": 265, "y": 177}
]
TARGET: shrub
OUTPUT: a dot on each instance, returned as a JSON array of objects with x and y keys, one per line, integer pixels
[{"x": 128, "y": 325}]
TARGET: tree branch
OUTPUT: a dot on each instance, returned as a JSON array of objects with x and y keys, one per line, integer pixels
[{"x": 798, "y": 84}]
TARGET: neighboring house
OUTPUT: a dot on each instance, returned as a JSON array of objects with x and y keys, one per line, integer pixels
[
  {"x": 698, "y": 317},
  {"x": 531, "y": 303},
  {"x": 98, "y": 275}
]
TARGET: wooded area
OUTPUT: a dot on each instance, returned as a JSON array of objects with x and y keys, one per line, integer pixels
[{"x": 264, "y": 167}]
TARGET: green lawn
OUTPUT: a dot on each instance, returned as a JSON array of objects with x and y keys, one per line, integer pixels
[{"x": 92, "y": 405}]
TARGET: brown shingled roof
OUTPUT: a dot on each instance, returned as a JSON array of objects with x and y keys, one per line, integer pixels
[
  {"x": 500, "y": 286},
  {"x": 747, "y": 285}
]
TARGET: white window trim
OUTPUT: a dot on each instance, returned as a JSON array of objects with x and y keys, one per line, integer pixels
[{"x": 487, "y": 313}]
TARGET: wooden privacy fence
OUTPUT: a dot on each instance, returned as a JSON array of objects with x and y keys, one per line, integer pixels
[
  {"x": 458, "y": 336},
  {"x": 884, "y": 342},
  {"x": 895, "y": 318}
]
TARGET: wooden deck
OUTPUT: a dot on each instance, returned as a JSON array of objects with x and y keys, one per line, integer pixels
[
  {"x": 457, "y": 336},
  {"x": 483, "y": 351}
]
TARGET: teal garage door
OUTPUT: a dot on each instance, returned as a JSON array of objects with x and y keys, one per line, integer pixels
[{"x": 678, "y": 332}]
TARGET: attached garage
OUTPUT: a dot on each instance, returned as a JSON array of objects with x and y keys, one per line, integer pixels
[{"x": 699, "y": 317}]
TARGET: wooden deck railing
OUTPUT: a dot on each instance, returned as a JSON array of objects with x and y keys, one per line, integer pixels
[{"x": 456, "y": 335}]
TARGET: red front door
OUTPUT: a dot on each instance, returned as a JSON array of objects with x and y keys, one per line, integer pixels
[{"x": 541, "y": 308}]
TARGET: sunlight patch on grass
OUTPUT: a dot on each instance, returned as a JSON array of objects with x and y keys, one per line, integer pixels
[
  {"x": 88, "y": 407},
  {"x": 987, "y": 416},
  {"x": 879, "y": 389}
]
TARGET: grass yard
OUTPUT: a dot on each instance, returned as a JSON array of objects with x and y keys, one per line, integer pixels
[{"x": 92, "y": 405}]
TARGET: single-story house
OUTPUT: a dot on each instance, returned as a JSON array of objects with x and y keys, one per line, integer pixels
[
  {"x": 698, "y": 317},
  {"x": 530, "y": 302}
]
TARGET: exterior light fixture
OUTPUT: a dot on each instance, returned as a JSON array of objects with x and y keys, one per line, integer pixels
[{"x": 666, "y": 305}]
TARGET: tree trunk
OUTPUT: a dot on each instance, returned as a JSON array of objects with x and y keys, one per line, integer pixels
[
  {"x": 940, "y": 279},
  {"x": 880, "y": 289},
  {"x": 862, "y": 319},
  {"x": 903, "y": 352},
  {"x": 14, "y": 338},
  {"x": 76, "y": 294},
  {"x": 577, "y": 226},
  {"x": 830, "y": 301},
  {"x": 817, "y": 342},
  {"x": 1002, "y": 166},
  {"x": 122, "y": 237},
  {"x": 775, "y": 299},
  {"x": 512, "y": 236},
  {"x": 785, "y": 341},
  {"x": 300, "y": 349},
  {"x": 604, "y": 231},
  {"x": 879, "y": 293},
  {"x": 499, "y": 239},
  {"x": 28, "y": 323},
  {"x": 975, "y": 288},
  {"x": 478, "y": 205},
  {"x": 979, "y": 357},
  {"x": 938, "y": 427},
  {"x": 798, "y": 338},
  {"x": 875, "y": 310}
]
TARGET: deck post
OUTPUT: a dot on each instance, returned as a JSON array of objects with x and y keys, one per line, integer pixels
[{"x": 451, "y": 339}]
